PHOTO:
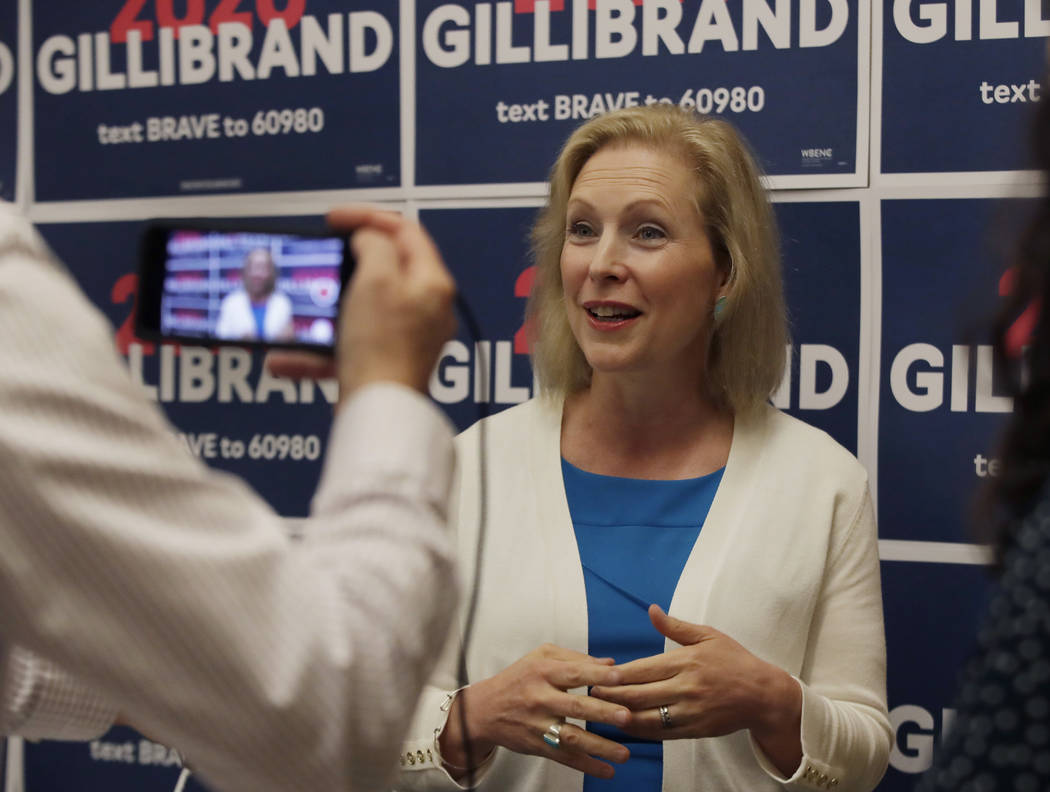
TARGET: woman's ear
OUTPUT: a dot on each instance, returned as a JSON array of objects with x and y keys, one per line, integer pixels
[{"x": 724, "y": 262}]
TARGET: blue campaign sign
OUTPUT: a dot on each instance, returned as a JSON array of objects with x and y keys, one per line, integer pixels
[
  {"x": 941, "y": 406},
  {"x": 202, "y": 98},
  {"x": 121, "y": 760},
  {"x": 487, "y": 252},
  {"x": 980, "y": 66},
  {"x": 514, "y": 78},
  {"x": 229, "y": 410},
  {"x": 932, "y": 616},
  {"x": 821, "y": 248},
  {"x": 8, "y": 99}
]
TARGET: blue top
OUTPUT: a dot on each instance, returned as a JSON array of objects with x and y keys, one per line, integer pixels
[
  {"x": 634, "y": 536},
  {"x": 259, "y": 312}
]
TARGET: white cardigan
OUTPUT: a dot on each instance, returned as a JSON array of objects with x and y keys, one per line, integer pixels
[
  {"x": 236, "y": 320},
  {"x": 786, "y": 563}
]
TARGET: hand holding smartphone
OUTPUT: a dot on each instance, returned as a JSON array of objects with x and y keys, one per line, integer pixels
[
  {"x": 242, "y": 283},
  {"x": 218, "y": 282}
]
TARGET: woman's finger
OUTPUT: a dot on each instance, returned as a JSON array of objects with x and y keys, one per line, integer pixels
[
  {"x": 665, "y": 722},
  {"x": 555, "y": 652},
  {"x": 582, "y": 762},
  {"x": 574, "y": 738},
  {"x": 567, "y": 675},
  {"x": 586, "y": 708},
  {"x": 582, "y": 750},
  {"x": 651, "y": 669},
  {"x": 679, "y": 631},
  {"x": 638, "y": 698}
]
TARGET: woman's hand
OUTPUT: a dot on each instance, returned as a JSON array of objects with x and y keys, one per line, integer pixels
[
  {"x": 710, "y": 686},
  {"x": 515, "y": 707}
]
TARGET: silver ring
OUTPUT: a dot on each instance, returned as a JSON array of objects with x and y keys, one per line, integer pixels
[
  {"x": 553, "y": 735},
  {"x": 665, "y": 717}
]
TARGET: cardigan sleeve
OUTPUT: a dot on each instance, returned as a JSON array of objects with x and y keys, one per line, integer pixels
[
  {"x": 846, "y": 733},
  {"x": 420, "y": 761}
]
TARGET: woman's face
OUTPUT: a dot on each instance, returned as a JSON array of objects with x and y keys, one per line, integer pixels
[
  {"x": 260, "y": 274},
  {"x": 637, "y": 268}
]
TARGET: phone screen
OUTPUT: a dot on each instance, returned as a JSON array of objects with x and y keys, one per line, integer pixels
[{"x": 253, "y": 287}]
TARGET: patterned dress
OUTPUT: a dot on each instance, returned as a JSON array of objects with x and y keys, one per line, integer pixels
[{"x": 1001, "y": 738}]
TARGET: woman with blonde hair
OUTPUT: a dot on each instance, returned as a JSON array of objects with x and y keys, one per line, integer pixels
[{"x": 677, "y": 578}]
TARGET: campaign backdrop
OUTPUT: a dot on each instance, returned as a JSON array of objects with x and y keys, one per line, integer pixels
[
  {"x": 949, "y": 67},
  {"x": 517, "y": 78},
  {"x": 260, "y": 99},
  {"x": 940, "y": 406},
  {"x": 821, "y": 251},
  {"x": 8, "y": 98},
  {"x": 182, "y": 98},
  {"x": 121, "y": 760},
  {"x": 927, "y": 645},
  {"x": 487, "y": 252}
]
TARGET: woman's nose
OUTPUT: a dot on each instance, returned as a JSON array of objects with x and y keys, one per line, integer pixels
[{"x": 608, "y": 260}]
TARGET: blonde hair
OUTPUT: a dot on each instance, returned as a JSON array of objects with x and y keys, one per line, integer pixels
[{"x": 745, "y": 359}]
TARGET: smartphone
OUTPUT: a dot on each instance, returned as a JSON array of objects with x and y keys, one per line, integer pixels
[{"x": 214, "y": 282}]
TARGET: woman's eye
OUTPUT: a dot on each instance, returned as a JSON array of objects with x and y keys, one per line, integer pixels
[
  {"x": 650, "y": 233},
  {"x": 580, "y": 229}
]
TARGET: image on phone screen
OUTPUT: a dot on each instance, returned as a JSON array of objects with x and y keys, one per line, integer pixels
[{"x": 250, "y": 287}]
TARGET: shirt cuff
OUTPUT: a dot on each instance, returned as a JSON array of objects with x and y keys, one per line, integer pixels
[{"x": 393, "y": 435}]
